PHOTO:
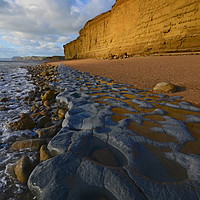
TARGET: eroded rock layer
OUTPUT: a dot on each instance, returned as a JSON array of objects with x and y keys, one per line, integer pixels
[
  {"x": 140, "y": 27},
  {"x": 119, "y": 143}
]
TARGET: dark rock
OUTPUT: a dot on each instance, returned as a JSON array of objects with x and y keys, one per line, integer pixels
[
  {"x": 25, "y": 122},
  {"x": 47, "y": 104},
  {"x": 31, "y": 98},
  {"x": 26, "y": 98},
  {"x": 45, "y": 73},
  {"x": 4, "y": 99},
  {"x": 43, "y": 121},
  {"x": 35, "y": 109},
  {"x": 49, "y": 95},
  {"x": 3, "y": 108}
]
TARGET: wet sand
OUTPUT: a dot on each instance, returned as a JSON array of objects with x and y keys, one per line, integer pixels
[{"x": 146, "y": 72}]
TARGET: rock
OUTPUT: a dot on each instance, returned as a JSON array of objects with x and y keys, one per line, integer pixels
[
  {"x": 31, "y": 98},
  {"x": 25, "y": 122},
  {"x": 46, "y": 87},
  {"x": 36, "y": 115},
  {"x": 44, "y": 153},
  {"x": 3, "y": 108},
  {"x": 47, "y": 104},
  {"x": 142, "y": 103},
  {"x": 31, "y": 93},
  {"x": 34, "y": 109},
  {"x": 4, "y": 99},
  {"x": 49, "y": 131},
  {"x": 165, "y": 87},
  {"x": 26, "y": 98},
  {"x": 45, "y": 73},
  {"x": 23, "y": 169},
  {"x": 45, "y": 113},
  {"x": 49, "y": 95},
  {"x": 67, "y": 168},
  {"x": 31, "y": 143},
  {"x": 43, "y": 121},
  {"x": 61, "y": 112}
]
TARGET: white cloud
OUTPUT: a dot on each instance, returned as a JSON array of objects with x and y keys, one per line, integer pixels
[
  {"x": 64, "y": 39},
  {"x": 20, "y": 41},
  {"x": 28, "y": 23}
]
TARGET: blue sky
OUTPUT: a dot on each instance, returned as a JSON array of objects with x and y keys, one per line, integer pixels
[{"x": 41, "y": 27}]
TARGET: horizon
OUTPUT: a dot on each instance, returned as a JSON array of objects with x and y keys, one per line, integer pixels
[{"x": 41, "y": 28}]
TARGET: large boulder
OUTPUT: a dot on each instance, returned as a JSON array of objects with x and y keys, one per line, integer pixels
[{"x": 165, "y": 87}]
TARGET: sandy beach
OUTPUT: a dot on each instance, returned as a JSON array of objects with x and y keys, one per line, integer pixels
[{"x": 146, "y": 72}]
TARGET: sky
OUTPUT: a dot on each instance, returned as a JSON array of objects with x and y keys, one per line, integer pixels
[{"x": 42, "y": 27}]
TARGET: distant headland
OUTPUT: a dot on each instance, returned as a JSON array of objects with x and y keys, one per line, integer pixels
[{"x": 38, "y": 58}]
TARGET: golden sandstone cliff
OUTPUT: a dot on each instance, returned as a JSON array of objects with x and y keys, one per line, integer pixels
[{"x": 140, "y": 27}]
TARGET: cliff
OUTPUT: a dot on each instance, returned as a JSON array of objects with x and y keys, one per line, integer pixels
[{"x": 140, "y": 27}]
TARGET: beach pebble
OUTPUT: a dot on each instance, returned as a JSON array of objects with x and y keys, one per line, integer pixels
[
  {"x": 165, "y": 87},
  {"x": 31, "y": 98},
  {"x": 61, "y": 112},
  {"x": 34, "y": 109},
  {"x": 49, "y": 95},
  {"x": 44, "y": 153},
  {"x": 43, "y": 121},
  {"x": 23, "y": 169},
  {"x": 48, "y": 132},
  {"x": 45, "y": 73},
  {"x": 47, "y": 104},
  {"x": 3, "y": 108},
  {"x": 25, "y": 122},
  {"x": 30, "y": 143},
  {"x": 4, "y": 99}
]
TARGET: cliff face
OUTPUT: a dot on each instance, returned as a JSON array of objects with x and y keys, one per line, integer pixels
[{"x": 140, "y": 26}]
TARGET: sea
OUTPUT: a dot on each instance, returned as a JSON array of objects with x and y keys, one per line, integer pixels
[{"x": 15, "y": 84}]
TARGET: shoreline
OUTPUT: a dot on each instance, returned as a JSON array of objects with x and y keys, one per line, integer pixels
[
  {"x": 145, "y": 72},
  {"x": 33, "y": 130}
]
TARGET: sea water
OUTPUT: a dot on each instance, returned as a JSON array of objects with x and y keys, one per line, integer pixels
[{"x": 14, "y": 84}]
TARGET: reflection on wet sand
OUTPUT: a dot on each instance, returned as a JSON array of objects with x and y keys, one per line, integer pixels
[{"x": 145, "y": 130}]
